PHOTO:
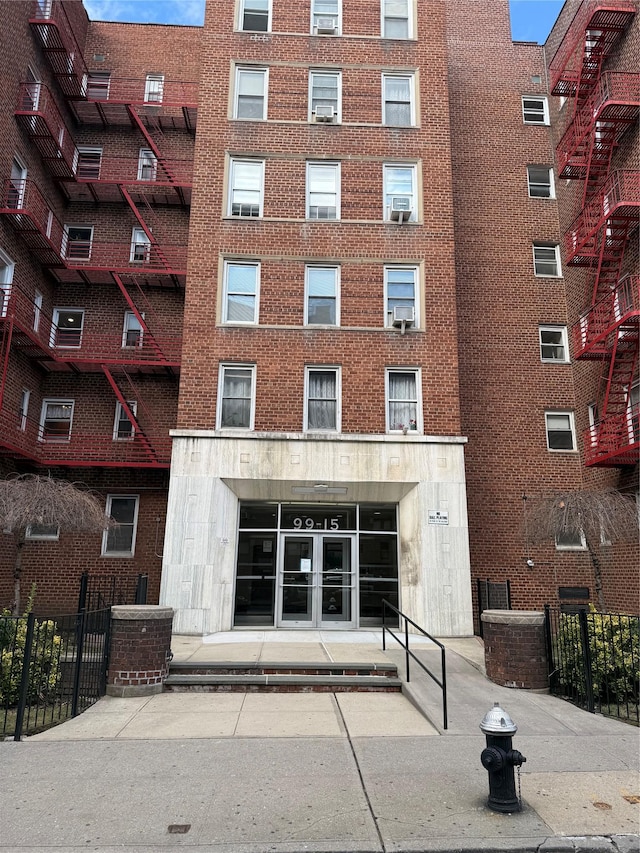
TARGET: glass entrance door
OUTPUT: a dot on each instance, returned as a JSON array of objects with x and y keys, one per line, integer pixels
[{"x": 316, "y": 581}]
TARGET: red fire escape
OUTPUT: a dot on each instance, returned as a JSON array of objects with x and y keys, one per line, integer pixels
[
  {"x": 73, "y": 255},
  {"x": 605, "y": 105}
]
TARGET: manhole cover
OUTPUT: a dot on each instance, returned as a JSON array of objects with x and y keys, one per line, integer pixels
[{"x": 179, "y": 828}]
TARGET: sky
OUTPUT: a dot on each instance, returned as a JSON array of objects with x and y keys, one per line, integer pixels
[{"x": 531, "y": 20}]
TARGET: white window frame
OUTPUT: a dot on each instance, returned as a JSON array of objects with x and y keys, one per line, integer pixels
[
  {"x": 531, "y": 184},
  {"x": 223, "y": 368},
  {"x": 52, "y": 401},
  {"x": 147, "y": 160},
  {"x": 66, "y": 241},
  {"x": 326, "y": 72},
  {"x": 126, "y": 328},
  {"x": 130, "y": 552},
  {"x": 319, "y": 368},
  {"x": 411, "y": 77},
  {"x": 154, "y": 89},
  {"x": 409, "y": 19},
  {"x": 52, "y": 536},
  {"x": 38, "y": 300},
  {"x": 572, "y": 546},
  {"x": 387, "y": 195},
  {"x": 249, "y": 69},
  {"x": 536, "y": 260},
  {"x": 259, "y": 189},
  {"x": 140, "y": 252},
  {"x": 7, "y": 269},
  {"x": 564, "y": 343},
  {"x": 307, "y": 295},
  {"x": 388, "y": 312},
  {"x": 392, "y": 428},
  {"x": 18, "y": 183},
  {"x": 100, "y": 83},
  {"x": 571, "y": 428},
  {"x": 93, "y": 151},
  {"x": 527, "y": 113},
  {"x": 121, "y": 415},
  {"x": 55, "y": 327},
  {"x": 243, "y": 10},
  {"x": 24, "y": 409},
  {"x": 315, "y": 15},
  {"x": 228, "y": 264},
  {"x": 311, "y": 167}
]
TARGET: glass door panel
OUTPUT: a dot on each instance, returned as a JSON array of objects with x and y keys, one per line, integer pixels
[
  {"x": 336, "y": 581},
  {"x": 297, "y": 581}
]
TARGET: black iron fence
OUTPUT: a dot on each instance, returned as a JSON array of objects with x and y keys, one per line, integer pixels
[
  {"x": 594, "y": 661},
  {"x": 51, "y": 669},
  {"x": 98, "y": 592},
  {"x": 492, "y": 595}
]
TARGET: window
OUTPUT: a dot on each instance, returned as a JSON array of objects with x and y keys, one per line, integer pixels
[
  {"x": 154, "y": 89},
  {"x": 17, "y": 184},
  {"x": 147, "y": 165},
  {"x": 255, "y": 15},
  {"x": 561, "y": 431},
  {"x": 123, "y": 428},
  {"x": 323, "y": 191},
  {"x": 396, "y": 23},
  {"x": 132, "y": 332},
  {"x": 325, "y": 96},
  {"x": 76, "y": 242},
  {"x": 7, "y": 267},
  {"x": 400, "y": 285},
  {"x": 88, "y": 161},
  {"x": 140, "y": 247},
  {"x": 49, "y": 532},
  {"x": 241, "y": 291},
  {"x": 246, "y": 188},
  {"x": 98, "y": 84},
  {"x": 546, "y": 260},
  {"x": 325, "y": 17},
  {"x": 535, "y": 110},
  {"x": 66, "y": 329},
  {"x": 120, "y": 541},
  {"x": 397, "y": 100},
  {"x": 236, "y": 390},
  {"x": 24, "y": 409},
  {"x": 572, "y": 540},
  {"x": 553, "y": 344},
  {"x": 251, "y": 93},
  {"x": 322, "y": 290},
  {"x": 322, "y": 392},
  {"x": 403, "y": 409},
  {"x": 400, "y": 197},
  {"x": 31, "y": 97},
  {"x": 37, "y": 310},
  {"x": 540, "y": 181},
  {"x": 56, "y": 420}
]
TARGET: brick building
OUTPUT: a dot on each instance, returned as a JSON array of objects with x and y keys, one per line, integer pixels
[{"x": 378, "y": 312}]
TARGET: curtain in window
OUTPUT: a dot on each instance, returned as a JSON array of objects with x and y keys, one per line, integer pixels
[
  {"x": 246, "y": 182},
  {"x": 236, "y": 398},
  {"x": 397, "y": 101},
  {"x": 402, "y": 401},
  {"x": 321, "y": 308},
  {"x": 323, "y": 192},
  {"x": 322, "y": 404},
  {"x": 241, "y": 293},
  {"x": 324, "y": 90},
  {"x": 325, "y": 8},
  {"x": 396, "y": 19},
  {"x": 251, "y": 94}
]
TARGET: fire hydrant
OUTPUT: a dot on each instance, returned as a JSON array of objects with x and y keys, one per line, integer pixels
[{"x": 500, "y": 759}]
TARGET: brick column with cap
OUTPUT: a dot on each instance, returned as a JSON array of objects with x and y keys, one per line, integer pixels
[
  {"x": 140, "y": 649},
  {"x": 515, "y": 649}
]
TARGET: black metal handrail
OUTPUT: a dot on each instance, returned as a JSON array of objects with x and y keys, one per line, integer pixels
[{"x": 442, "y": 681}]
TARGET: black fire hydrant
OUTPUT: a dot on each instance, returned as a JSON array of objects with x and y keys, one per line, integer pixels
[{"x": 500, "y": 759}]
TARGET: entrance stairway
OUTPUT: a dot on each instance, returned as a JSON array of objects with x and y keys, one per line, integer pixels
[{"x": 282, "y": 677}]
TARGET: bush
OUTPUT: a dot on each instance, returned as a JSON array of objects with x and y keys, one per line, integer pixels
[{"x": 44, "y": 667}]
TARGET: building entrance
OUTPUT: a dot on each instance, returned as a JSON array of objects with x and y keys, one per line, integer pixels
[{"x": 316, "y": 586}]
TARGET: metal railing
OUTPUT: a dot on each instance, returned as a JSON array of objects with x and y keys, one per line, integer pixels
[
  {"x": 97, "y": 592},
  {"x": 404, "y": 625}
]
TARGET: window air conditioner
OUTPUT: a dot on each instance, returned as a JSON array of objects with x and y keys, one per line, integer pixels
[
  {"x": 324, "y": 112},
  {"x": 404, "y": 315},
  {"x": 400, "y": 208},
  {"x": 326, "y": 26}
]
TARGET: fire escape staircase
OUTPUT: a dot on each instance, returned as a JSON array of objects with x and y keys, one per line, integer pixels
[{"x": 606, "y": 104}]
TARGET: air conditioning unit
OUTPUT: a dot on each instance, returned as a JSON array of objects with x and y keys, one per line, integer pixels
[
  {"x": 324, "y": 112},
  {"x": 404, "y": 315},
  {"x": 400, "y": 208},
  {"x": 326, "y": 26}
]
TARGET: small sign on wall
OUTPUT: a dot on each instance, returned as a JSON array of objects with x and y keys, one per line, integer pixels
[{"x": 437, "y": 516}]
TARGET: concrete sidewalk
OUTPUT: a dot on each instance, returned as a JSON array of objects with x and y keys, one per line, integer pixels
[{"x": 247, "y": 773}]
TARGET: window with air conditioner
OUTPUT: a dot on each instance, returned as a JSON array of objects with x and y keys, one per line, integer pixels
[
  {"x": 66, "y": 328},
  {"x": 323, "y": 191},
  {"x": 154, "y": 89},
  {"x": 553, "y": 344},
  {"x": 123, "y": 427},
  {"x": 400, "y": 196},
  {"x": 251, "y": 94},
  {"x": 147, "y": 165},
  {"x": 398, "y": 100},
  {"x": 241, "y": 292},
  {"x": 255, "y": 15},
  {"x": 132, "y": 331},
  {"x": 322, "y": 288},
  {"x": 540, "y": 182},
  {"x": 120, "y": 540},
  {"x": 236, "y": 396},
  {"x": 561, "y": 431},
  {"x": 326, "y": 17},
  {"x": 546, "y": 260},
  {"x": 325, "y": 96},
  {"x": 535, "y": 110},
  {"x": 397, "y": 19},
  {"x": 404, "y": 410},
  {"x": 246, "y": 188},
  {"x": 56, "y": 419},
  {"x": 400, "y": 288},
  {"x": 322, "y": 399}
]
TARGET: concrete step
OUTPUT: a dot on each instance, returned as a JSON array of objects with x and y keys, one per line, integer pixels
[
  {"x": 299, "y": 683},
  {"x": 387, "y": 669}
]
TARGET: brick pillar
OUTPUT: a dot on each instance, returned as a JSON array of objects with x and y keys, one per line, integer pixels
[
  {"x": 140, "y": 646},
  {"x": 515, "y": 649}
]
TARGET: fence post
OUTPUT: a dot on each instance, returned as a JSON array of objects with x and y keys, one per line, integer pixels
[
  {"x": 141, "y": 589},
  {"x": 82, "y": 597},
  {"x": 78, "y": 667},
  {"x": 547, "y": 636},
  {"x": 480, "y": 625},
  {"x": 24, "y": 679},
  {"x": 586, "y": 659}
]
